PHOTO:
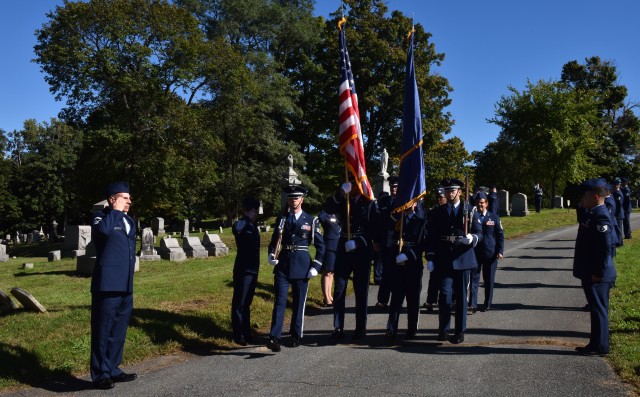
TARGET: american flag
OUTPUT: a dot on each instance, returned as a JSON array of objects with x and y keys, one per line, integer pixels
[{"x": 350, "y": 133}]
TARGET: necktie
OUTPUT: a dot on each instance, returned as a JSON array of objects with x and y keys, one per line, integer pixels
[{"x": 291, "y": 220}]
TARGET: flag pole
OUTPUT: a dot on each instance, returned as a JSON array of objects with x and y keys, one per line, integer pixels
[{"x": 346, "y": 177}]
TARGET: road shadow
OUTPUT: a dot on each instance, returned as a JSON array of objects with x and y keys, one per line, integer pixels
[
  {"x": 532, "y": 269},
  {"x": 540, "y": 257},
  {"x": 534, "y": 285},
  {"x": 549, "y": 248}
]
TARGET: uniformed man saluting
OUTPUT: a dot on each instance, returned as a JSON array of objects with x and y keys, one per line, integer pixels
[
  {"x": 451, "y": 251},
  {"x": 289, "y": 254}
]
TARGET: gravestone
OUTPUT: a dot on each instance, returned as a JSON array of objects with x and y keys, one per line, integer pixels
[
  {"x": 6, "y": 303},
  {"x": 194, "y": 248},
  {"x": 171, "y": 250},
  {"x": 54, "y": 231},
  {"x": 519, "y": 205},
  {"x": 503, "y": 203},
  {"x": 3, "y": 253},
  {"x": 16, "y": 238},
  {"x": 558, "y": 202},
  {"x": 54, "y": 256},
  {"x": 27, "y": 265},
  {"x": 36, "y": 237},
  {"x": 380, "y": 182},
  {"x": 157, "y": 225},
  {"x": 86, "y": 262},
  {"x": 185, "y": 228},
  {"x": 264, "y": 228},
  {"x": 214, "y": 245},
  {"x": 147, "y": 252},
  {"x": 27, "y": 300},
  {"x": 76, "y": 239}
]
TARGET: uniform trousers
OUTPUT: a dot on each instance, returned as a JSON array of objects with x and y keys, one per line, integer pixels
[
  {"x": 299, "y": 289},
  {"x": 433, "y": 287},
  {"x": 487, "y": 268},
  {"x": 244, "y": 288},
  {"x": 357, "y": 262},
  {"x": 627, "y": 224},
  {"x": 384, "y": 291},
  {"x": 406, "y": 282},
  {"x": 110, "y": 313},
  {"x": 453, "y": 282},
  {"x": 598, "y": 299}
]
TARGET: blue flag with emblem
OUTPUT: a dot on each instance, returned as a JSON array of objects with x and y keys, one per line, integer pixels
[{"x": 411, "y": 184}]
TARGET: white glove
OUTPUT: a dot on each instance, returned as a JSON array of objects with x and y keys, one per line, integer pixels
[
  {"x": 272, "y": 260},
  {"x": 312, "y": 272},
  {"x": 346, "y": 187},
  {"x": 430, "y": 266},
  {"x": 401, "y": 258},
  {"x": 468, "y": 239},
  {"x": 350, "y": 246}
]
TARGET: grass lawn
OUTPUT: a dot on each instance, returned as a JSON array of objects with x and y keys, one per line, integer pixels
[
  {"x": 186, "y": 307},
  {"x": 624, "y": 314}
]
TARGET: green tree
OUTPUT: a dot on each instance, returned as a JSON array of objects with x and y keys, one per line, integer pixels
[
  {"x": 9, "y": 209},
  {"x": 446, "y": 159},
  {"x": 549, "y": 127}
]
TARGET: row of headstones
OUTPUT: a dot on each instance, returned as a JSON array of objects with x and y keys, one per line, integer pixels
[
  {"x": 192, "y": 247},
  {"x": 157, "y": 226},
  {"x": 518, "y": 205},
  {"x": 33, "y": 237}
]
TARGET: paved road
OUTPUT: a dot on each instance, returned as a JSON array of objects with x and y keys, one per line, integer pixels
[{"x": 524, "y": 346}]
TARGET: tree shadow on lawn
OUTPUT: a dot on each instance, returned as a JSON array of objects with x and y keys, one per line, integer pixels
[
  {"x": 68, "y": 273},
  {"x": 25, "y": 367}
]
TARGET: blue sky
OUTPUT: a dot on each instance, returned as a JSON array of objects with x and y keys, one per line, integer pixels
[{"x": 489, "y": 45}]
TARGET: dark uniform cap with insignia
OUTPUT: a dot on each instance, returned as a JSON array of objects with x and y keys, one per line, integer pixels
[
  {"x": 249, "y": 203},
  {"x": 481, "y": 196},
  {"x": 293, "y": 191},
  {"x": 451, "y": 183},
  {"x": 440, "y": 192},
  {"x": 393, "y": 180},
  {"x": 116, "y": 187},
  {"x": 617, "y": 181},
  {"x": 593, "y": 184}
]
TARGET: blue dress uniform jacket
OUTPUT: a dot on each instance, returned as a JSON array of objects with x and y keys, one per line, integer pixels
[
  {"x": 627, "y": 208},
  {"x": 616, "y": 235},
  {"x": 331, "y": 234},
  {"x": 363, "y": 217},
  {"x": 493, "y": 203},
  {"x": 245, "y": 277},
  {"x": 619, "y": 199},
  {"x": 487, "y": 251},
  {"x": 453, "y": 261},
  {"x": 406, "y": 277},
  {"x": 294, "y": 264},
  {"x": 593, "y": 258},
  {"x": 111, "y": 290}
]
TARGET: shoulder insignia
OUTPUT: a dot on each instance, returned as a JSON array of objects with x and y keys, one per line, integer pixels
[
  {"x": 603, "y": 228},
  {"x": 96, "y": 220}
]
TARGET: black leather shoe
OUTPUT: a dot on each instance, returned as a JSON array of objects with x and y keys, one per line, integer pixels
[
  {"x": 410, "y": 335},
  {"x": 391, "y": 334},
  {"x": 589, "y": 351},
  {"x": 336, "y": 335},
  {"x": 240, "y": 341},
  {"x": 295, "y": 341},
  {"x": 429, "y": 307},
  {"x": 442, "y": 337},
  {"x": 485, "y": 308},
  {"x": 359, "y": 334},
  {"x": 471, "y": 310},
  {"x": 124, "y": 377},
  {"x": 381, "y": 306},
  {"x": 104, "y": 384},
  {"x": 274, "y": 345},
  {"x": 457, "y": 338}
]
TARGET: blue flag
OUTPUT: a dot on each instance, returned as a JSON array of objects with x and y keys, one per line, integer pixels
[{"x": 411, "y": 184}]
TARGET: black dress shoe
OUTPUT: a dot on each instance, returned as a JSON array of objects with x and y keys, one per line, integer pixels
[
  {"x": 240, "y": 341},
  {"x": 457, "y": 338},
  {"x": 104, "y": 384},
  {"x": 429, "y": 307},
  {"x": 471, "y": 310},
  {"x": 391, "y": 334},
  {"x": 442, "y": 337},
  {"x": 589, "y": 351},
  {"x": 336, "y": 335},
  {"x": 274, "y": 345},
  {"x": 410, "y": 335},
  {"x": 358, "y": 334},
  {"x": 295, "y": 341},
  {"x": 124, "y": 377},
  {"x": 485, "y": 308}
]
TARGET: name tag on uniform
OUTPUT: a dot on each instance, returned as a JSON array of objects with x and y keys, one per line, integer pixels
[
  {"x": 117, "y": 228},
  {"x": 305, "y": 227},
  {"x": 491, "y": 223}
]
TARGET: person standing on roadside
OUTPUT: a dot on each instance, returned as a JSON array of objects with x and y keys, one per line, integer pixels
[
  {"x": 593, "y": 264},
  {"x": 245, "y": 271},
  {"x": 113, "y": 232}
]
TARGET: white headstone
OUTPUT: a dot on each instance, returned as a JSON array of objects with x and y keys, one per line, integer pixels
[
  {"x": 171, "y": 250},
  {"x": 193, "y": 248},
  {"x": 214, "y": 245}
]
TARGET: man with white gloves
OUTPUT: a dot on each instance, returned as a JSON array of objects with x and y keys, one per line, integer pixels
[
  {"x": 289, "y": 255},
  {"x": 354, "y": 255},
  {"x": 406, "y": 272},
  {"x": 452, "y": 254}
]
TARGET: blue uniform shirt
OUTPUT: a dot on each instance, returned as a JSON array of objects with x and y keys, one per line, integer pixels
[
  {"x": 593, "y": 247},
  {"x": 248, "y": 242},
  {"x": 492, "y": 242}
]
